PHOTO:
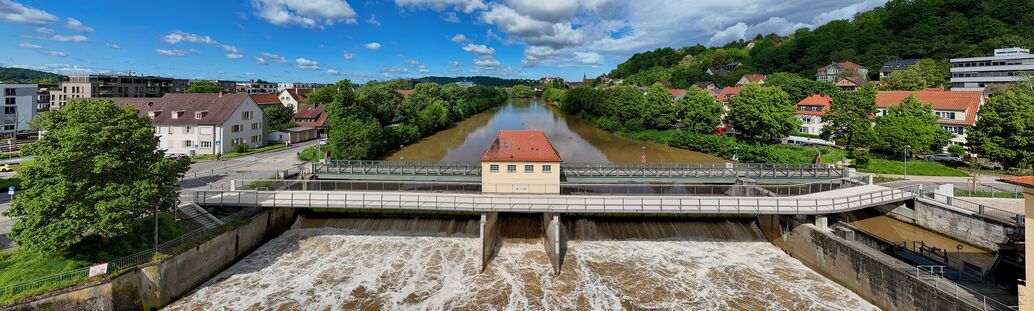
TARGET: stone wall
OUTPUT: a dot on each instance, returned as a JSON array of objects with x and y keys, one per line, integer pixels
[
  {"x": 974, "y": 230},
  {"x": 155, "y": 285},
  {"x": 552, "y": 239},
  {"x": 489, "y": 232}
]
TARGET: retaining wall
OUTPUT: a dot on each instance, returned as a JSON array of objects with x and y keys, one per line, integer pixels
[
  {"x": 974, "y": 230},
  {"x": 155, "y": 285}
]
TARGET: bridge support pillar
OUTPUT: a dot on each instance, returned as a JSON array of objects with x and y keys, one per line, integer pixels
[
  {"x": 489, "y": 227},
  {"x": 553, "y": 240},
  {"x": 822, "y": 222}
]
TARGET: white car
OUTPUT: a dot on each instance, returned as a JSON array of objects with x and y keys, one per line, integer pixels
[{"x": 323, "y": 141}]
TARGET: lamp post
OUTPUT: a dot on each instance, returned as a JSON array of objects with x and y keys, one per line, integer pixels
[
  {"x": 906, "y": 161},
  {"x": 736, "y": 155},
  {"x": 642, "y": 158}
]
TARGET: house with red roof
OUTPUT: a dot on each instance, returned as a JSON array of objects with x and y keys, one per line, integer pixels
[
  {"x": 267, "y": 100},
  {"x": 810, "y": 111},
  {"x": 520, "y": 162},
  {"x": 831, "y": 72},
  {"x": 311, "y": 116},
  {"x": 211, "y": 123},
  {"x": 957, "y": 110},
  {"x": 677, "y": 94},
  {"x": 292, "y": 98},
  {"x": 751, "y": 78}
]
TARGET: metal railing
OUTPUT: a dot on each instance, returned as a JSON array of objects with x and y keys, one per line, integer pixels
[
  {"x": 124, "y": 263},
  {"x": 934, "y": 275},
  {"x": 977, "y": 208},
  {"x": 553, "y": 203},
  {"x": 673, "y": 170}
]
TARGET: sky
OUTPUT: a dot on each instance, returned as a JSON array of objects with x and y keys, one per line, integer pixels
[{"x": 331, "y": 40}]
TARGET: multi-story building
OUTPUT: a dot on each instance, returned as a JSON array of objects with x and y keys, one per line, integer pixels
[
  {"x": 1006, "y": 66},
  {"x": 43, "y": 98},
  {"x": 751, "y": 78},
  {"x": 957, "y": 110},
  {"x": 280, "y": 87},
  {"x": 97, "y": 86},
  {"x": 810, "y": 111},
  {"x": 189, "y": 124},
  {"x": 831, "y": 72},
  {"x": 257, "y": 87},
  {"x": 293, "y": 98},
  {"x": 228, "y": 86},
  {"x": 896, "y": 65},
  {"x": 19, "y": 107}
]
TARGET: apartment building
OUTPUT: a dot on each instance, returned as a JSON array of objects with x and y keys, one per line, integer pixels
[
  {"x": 280, "y": 87},
  {"x": 43, "y": 98},
  {"x": 228, "y": 86},
  {"x": 257, "y": 87},
  {"x": 1006, "y": 66},
  {"x": 189, "y": 124},
  {"x": 110, "y": 86},
  {"x": 810, "y": 111},
  {"x": 19, "y": 107},
  {"x": 831, "y": 72},
  {"x": 957, "y": 110}
]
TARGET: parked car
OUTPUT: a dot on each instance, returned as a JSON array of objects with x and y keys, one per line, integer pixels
[
  {"x": 946, "y": 159},
  {"x": 6, "y": 168}
]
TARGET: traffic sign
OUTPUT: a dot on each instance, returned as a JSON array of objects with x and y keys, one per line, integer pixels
[
  {"x": 217, "y": 143},
  {"x": 10, "y": 190}
]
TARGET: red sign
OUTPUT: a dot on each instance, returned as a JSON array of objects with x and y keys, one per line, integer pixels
[{"x": 642, "y": 158}]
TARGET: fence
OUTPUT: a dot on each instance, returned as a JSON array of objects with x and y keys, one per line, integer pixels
[
  {"x": 674, "y": 170},
  {"x": 934, "y": 275},
  {"x": 977, "y": 208},
  {"x": 124, "y": 263}
]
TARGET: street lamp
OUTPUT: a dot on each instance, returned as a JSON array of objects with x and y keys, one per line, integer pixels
[
  {"x": 736, "y": 155},
  {"x": 906, "y": 161},
  {"x": 642, "y": 158}
]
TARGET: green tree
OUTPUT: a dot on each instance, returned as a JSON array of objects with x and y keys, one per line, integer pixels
[
  {"x": 926, "y": 73},
  {"x": 1004, "y": 132},
  {"x": 699, "y": 111},
  {"x": 204, "y": 86},
  {"x": 521, "y": 91},
  {"x": 912, "y": 124},
  {"x": 659, "y": 110},
  {"x": 434, "y": 117},
  {"x": 767, "y": 113},
  {"x": 553, "y": 95},
  {"x": 279, "y": 117},
  {"x": 798, "y": 87},
  {"x": 97, "y": 169},
  {"x": 850, "y": 118}
]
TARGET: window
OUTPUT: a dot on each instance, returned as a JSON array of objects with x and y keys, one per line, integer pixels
[
  {"x": 9, "y": 92},
  {"x": 170, "y": 130},
  {"x": 206, "y": 144},
  {"x": 945, "y": 115},
  {"x": 188, "y": 144},
  {"x": 246, "y": 115},
  {"x": 529, "y": 168},
  {"x": 8, "y": 127},
  {"x": 511, "y": 168},
  {"x": 235, "y": 128},
  {"x": 10, "y": 110},
  {"x": 255, "y": 126},
  {"x": 200, "y": 114},
  {"x": 9, "y": 101},
  {"x": 186, "y": 130},
  {"x": 493, "y": 168},
  {"x": 547, "y": 168},
  {"x": 254, "y": 139}
]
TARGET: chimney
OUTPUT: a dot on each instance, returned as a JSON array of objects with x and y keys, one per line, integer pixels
[{"x": 220, "y": 93}]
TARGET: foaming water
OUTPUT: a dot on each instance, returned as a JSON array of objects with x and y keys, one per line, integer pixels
[{"x": 609, "y": 265}]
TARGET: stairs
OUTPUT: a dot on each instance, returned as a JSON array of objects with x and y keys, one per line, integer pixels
[{"x": 200, "y": 215}]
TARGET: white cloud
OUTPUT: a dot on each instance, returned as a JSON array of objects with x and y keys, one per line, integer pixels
[
  {"x": 478, "y": 49},
  {"x": 459, "y": 38},
  {"x": 42, "y": 50},
  {"x": 553, "y": 11},
  {"x": 466, "y": 6},
  {"x": 261, "y": 60},
  {"x": 64, "y": 68},
  {"x": 178, "y": 36},
  {"x": 47, "y": 34},
  {"x": 372, "y": 46},
  {"x": 450, "y": 17},
  {"x": 76, "y": 25},
  {"x": 454, "y": 66},
  {"x": 234, "y": 55},
  {"x": 486, "y": 62},
  {"x": 13, "y": 12},
  {"x": 734, "y": 32},
  {"x": 373, "y": 20},
  {"x": 532, "y": 31},
  {"x": 423, "y": 69},
  {"x": 306, "y": 13},
  {"x": 396, "y": 70},
  {"x": 113, "y": 45},
  {"x": 54, "y": 53},
  {"x": 30, "y": 46},
  {"x": 176, "y": 52},
  {"x": 303, "y": 63},
  {"x": 333, "y": 72},
  {"x": 347, "y": 55},
  {"x": 271, "y": 57},
  {"x": 588, "y": 58}
]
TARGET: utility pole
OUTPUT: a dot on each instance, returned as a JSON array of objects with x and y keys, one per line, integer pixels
[{"x": 906, "y": 161}]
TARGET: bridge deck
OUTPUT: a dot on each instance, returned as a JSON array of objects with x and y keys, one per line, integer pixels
[{"x": 829, "y": 202}]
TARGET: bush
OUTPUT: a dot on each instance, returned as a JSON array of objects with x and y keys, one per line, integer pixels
[
  {"x": 861, "y": 158},
  {"x": 610, "y": 124},
  {"x": 241, "y": 148},
  {"x": 957, "y": 150}
]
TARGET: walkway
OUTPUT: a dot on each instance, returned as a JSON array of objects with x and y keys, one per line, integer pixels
[{"x": 829, "y": 202}]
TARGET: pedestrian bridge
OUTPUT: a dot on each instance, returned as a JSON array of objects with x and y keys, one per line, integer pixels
[{"x": 828, "y": 202}]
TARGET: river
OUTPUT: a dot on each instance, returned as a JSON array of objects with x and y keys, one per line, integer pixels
[{"x": 576, "y": 140}]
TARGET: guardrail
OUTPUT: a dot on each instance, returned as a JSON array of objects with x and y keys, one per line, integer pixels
[
  {"x": 124, "y": 263},
  {"x": 553, "y": 203},
  {"x": 977, "y": 208},
  {"x": 934, "y": 275},
  {"x": 674, "y": 170}
]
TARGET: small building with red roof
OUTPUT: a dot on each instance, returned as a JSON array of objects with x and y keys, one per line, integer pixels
[
  {"x": 677, "y": 94},
  {"x": 520, "y": 162},
  {"x": 267, "y": 100},
  {"x": 751, "y": 78},
  {"x": 311, "y": 116},
  {"x": 810, "y": 111},
  {"x": 830, "y": 73},
  {"x": 957, "y": 110},
  {"x": 293, "y": 98}
]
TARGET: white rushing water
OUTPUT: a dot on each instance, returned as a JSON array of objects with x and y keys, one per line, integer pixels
[{"x": 350, "y": 269}]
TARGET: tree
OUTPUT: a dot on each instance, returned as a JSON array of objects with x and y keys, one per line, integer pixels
[
  {"x": 912, "y": 124},
  {"x": 849, "y": 118},
  {"x": 279, "y": 117},
  {"x": 356, "y": 138},
  {"x": 521, "y": 91},
  {"x": 767, "y": 113},
  {"x": 798, "y": 87},
  {"x": 1004, "y": 132},
  {"x": 434, "y": 117},
  {"x": 659, "y": 111},
  {"x": 699, "y": 111},
  {"x": 95, "y": 171},
  {"x": 926, "y": 73},
  {"x": 204, "y": 86}
]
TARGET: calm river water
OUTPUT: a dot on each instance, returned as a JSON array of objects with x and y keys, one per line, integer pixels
[{"x": 577, "y": 140}]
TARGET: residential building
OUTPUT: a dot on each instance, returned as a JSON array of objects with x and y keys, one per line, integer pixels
[
  {"x": 810, "y": 111},
  {"x": 726, "y": 94},
  {"x": 1006, "y": 66},
  {"x": 266, "y": 100},
  {"x": 896, "y": 65},
  {"x": 465, "y": 84},
  {"x": 257, "y": 87},
  {"x": 520, "y": 162},
  {"x": 280, "y": 87},
  {"x": 228, "y": 86},
  {"x": 706, "y": 85},
  {"x": 724, "y": 70},
  {"x": 311, "y": 116},
  {"x": 850, "y": 84},
  {"x": 831, "y": 72},
  {"x": 292, "y": 135},
  {"x": 293, "y": 98},
  {"x": 677, "y": 94},
  {"x": 102, "y": 86},
  {"x": 957, "y": 110},
  {"x": 43, "y": 98},
  {"x": 19, "y": 107},
  {"x": 751, "y": 78},
  {"x": 213, "y": 123}
]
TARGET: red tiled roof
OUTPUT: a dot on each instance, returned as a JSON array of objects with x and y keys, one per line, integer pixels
[
  {"x": 852, "y": 81},
  {"x": 844, "y": 65},
  {"x": 677, "y": 92},
  {"x": 299, "y": 95},
  {"x": 520, "y": 146},
  {"x": 727, "y": 93},
  {"x": 405, "y": 93},
  {"x": 756, "y": 78},
  {"x": 311, "y": 112},
  {"x": 1026, "y": 181},
  {"x": 266, "y": 99},
  {"x": 814, "y": 100},
  {"x": 217, "y": 107},
  {"x": 939, "y": 99}
]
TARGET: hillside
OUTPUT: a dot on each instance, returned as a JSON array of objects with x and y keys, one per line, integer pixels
[
  {"x": 22, "y": 75},
  {"x": 479, "y": 80},
  {"x": 901, "y": 29}
]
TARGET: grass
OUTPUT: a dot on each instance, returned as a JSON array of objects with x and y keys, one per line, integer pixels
[
  {"x": 230, "y": 155},
  {"x": 987, "y": 194},
  {"x": 18, "y": 265},
  {"x": 915, "y": 168},
  {"x": 309, "y": 155},
  {"x": 879, "y": 179},
  {"x": 829, "y": 155}
]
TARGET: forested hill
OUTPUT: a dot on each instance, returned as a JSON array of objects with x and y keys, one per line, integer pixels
[
  {"x": 22, "y": 75},
  {"x": 901, "y": 29},
  {"x": 479, "y": 80}
]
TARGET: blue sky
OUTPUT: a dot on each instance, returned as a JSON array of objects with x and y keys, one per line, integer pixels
[{"x": 330, "y": 40}]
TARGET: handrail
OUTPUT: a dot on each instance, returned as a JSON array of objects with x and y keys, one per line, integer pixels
[
  {"x": 977, "y": 208},
  {"x": 756, "y": 170}
]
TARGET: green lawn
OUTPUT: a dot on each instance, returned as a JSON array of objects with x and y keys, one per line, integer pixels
[
  {"x": 230, "y": 155},
  {"x": 17, "y": 265},
  {"x": 987, "y": 194},
  {"x": 309, "y": 155},
  {"x": 915, "y": 167}
]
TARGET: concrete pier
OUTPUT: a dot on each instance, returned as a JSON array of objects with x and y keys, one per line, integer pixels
[
  {"x": 489, "y": 227},
  {"x": 553, "y": 240}
]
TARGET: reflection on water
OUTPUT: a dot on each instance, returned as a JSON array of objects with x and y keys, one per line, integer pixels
[
  {"x": 577, "y": 140},
  {"x": 610, "y": 265}
]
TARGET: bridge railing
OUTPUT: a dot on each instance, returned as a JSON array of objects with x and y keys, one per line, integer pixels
[
  {"x": 977, "y": 208},
  {"x": 724, "y": 170},
  {"x": 551, "y": 203}
]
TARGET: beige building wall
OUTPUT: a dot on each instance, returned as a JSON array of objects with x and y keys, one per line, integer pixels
[
  {"x": 1027, "y": 292},
  {"x": 535, "y": 181}
]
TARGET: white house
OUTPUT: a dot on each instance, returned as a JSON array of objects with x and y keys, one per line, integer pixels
[
  {"x": 831, "y": 72},
  {"x": 19, "y": 107},
  {"x": 957, "y": 110},
  {"x": 293, "y": 98},
  {"x": 191, "y": 124},
  {"x": 810, "y": 111}
]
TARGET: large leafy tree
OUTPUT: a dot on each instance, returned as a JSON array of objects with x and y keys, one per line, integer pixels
[
  {"x": 798, "y": 87},
  {"x": 766, "y": 113},
  {"x": 699, "y": 111},
  {"x": 850, "y": 118},
  {"x": 521, "y": 91},
  {"x": 204, "y": 86},
  {"x": 434, "y": 117},
  {"x": 279, "y": 117},
  {"x": 1005, "y": 130},
  {"x": 912, "y": 124},
  {"x": 96, "y": 170},
  {"x": 926, "y": 73},
  {"x": 659, "y": 110}
]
